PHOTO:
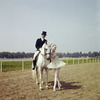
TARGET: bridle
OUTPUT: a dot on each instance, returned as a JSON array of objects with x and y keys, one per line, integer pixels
[{"x": 44, "y": 55}]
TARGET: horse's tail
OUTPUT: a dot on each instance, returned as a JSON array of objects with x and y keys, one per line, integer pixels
[{"x": 33, "y": 73}]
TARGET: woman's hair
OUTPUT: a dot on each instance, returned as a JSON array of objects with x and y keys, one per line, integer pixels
[{"x": 54, "y": 46}]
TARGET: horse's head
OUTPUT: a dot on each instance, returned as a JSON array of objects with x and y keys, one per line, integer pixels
[{"x": 46, "y": 50}]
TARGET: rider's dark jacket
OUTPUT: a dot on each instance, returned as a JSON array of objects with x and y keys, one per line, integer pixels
[{"x": 39, "y": 43}]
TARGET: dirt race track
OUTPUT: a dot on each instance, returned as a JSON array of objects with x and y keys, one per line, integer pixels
[{"x": 79, "y": 82}]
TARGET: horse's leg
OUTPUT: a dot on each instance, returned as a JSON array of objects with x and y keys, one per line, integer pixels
[
  {"x": 41, "y": 77},
  {"x": 37, "y": 75},
  {"x": 58, "y": 78},
  {"x": 46, "y": 77},
  {"x": 55, "y": 80}
]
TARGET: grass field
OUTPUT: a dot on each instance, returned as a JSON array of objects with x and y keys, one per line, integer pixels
[{"x": 17, "y": 65}]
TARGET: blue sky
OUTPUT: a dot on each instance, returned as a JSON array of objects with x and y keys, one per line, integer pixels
[{"x": 73, "y": 25}]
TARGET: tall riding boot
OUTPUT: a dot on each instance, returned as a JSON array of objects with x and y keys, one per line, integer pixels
[{"x": 34, "y": 64}]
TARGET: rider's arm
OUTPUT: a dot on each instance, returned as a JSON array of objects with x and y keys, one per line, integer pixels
[{"x": 37, "y": 45}]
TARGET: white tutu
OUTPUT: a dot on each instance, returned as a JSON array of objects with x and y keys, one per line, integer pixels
[{"x": 56, "y": 63}]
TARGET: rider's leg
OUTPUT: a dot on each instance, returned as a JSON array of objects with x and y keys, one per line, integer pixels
[
  {"x": 34, "y": 59},
  {"x": 35, "y": 55}
]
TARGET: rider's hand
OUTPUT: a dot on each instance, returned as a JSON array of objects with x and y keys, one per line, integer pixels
[{"x": 40, "y": 49}]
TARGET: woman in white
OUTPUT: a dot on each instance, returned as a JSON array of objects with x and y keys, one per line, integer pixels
[{"x": 55, "y": 64}]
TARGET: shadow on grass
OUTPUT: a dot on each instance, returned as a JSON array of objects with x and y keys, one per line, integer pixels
[{"x": 69, "y": 85}]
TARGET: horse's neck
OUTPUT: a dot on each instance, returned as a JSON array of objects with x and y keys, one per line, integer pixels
[
  {"x": 42, "y": 54},
  {"x": 42, "y": 51},
  {"x": 41, "y": 59}
]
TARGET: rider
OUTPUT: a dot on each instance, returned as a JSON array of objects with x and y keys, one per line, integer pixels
[{"x": 38, "y": 46}]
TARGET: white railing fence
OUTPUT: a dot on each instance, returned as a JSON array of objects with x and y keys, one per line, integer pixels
[
  {"x": 13, "y": 60},
  {"x": 69, "y": 61}
]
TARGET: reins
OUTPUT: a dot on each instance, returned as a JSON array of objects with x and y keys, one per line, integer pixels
[{"x": 45, "y": 54}]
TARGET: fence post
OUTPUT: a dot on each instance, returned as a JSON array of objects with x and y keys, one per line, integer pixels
[
  {"x": 83, "y": 60},
  {"x": 67, "y": 61},
  {"x": 23, "y": 65},
  {"x": 73, "y": 61},
  {"x": 78, "y": 60},
  {"x": 89, "y": 60},
  {"x": 95, "y": 60},
  {"x": 86, "y": 60},
  {"x": 1, "y": 66}
]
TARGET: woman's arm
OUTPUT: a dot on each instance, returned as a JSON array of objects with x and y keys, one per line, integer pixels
[{"x": 53, "y": 56}]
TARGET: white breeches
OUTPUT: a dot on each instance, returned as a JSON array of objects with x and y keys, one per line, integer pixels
[{"x": 35, "y": 54}]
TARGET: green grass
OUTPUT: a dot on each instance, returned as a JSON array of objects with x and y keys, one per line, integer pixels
[
  {"x": 7, "y": 66},
  {"x": 78, "y": 61},
  {"x": 17, "y": 65},
  {"x": 28, "y": 64}
]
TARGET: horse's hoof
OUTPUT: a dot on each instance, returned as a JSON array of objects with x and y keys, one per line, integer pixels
[
  {"x": 59, "y": 88},
  {"x": 46, "y": 86},
  {"x": 37, "y": 83},
  {"x": 54, "y": 89},
  {"x": 41, "y": 88},
  {"x": 42, "y": 82}
]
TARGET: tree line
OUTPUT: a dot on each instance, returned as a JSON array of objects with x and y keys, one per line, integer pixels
[
  {"x": 16, "y": 55},
  {"x": 30, "y": 55},
  {"x": 80, "y": 54}
]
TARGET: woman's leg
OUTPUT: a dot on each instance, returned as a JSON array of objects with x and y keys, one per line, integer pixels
[
  {"x": 55, "y": 80},
  {"x": 58, "y": 78}
]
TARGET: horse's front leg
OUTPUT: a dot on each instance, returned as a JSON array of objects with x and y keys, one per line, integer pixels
[
  {"x": 46, "y": 77},
  {"x": 41, "y": 78}
]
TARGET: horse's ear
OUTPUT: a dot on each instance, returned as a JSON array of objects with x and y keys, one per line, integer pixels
[
  {"x": 51, "y": 43},
  {"x": 48, "y": 43}
]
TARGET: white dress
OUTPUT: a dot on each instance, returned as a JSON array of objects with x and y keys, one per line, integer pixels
[{"x": 55, "y": 63}]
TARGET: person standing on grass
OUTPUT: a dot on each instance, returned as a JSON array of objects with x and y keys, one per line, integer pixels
[
  {"x": 56, "y": 64},
  {"x": 39, "y": 43}
]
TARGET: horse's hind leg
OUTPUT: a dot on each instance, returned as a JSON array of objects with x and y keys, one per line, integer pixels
[
  {"x": 37, "y": 75},
  {"x": 46, "y": 77}
]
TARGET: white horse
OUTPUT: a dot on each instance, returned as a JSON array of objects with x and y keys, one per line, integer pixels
[{"x": 42, "y": 62}]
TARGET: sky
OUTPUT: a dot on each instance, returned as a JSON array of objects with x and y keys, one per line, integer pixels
[{"x": 73, "y": 25}]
